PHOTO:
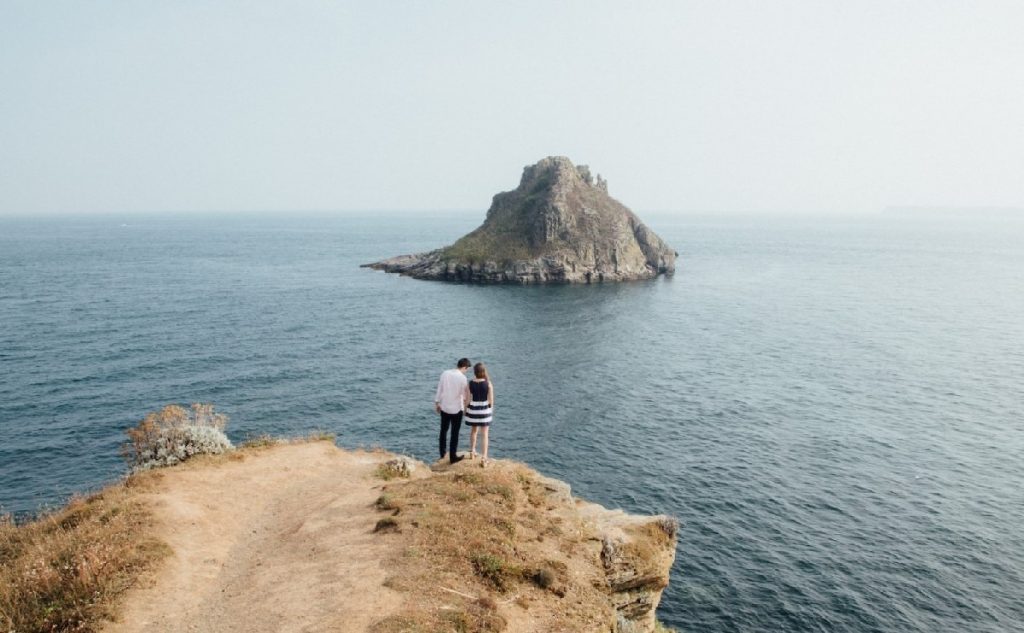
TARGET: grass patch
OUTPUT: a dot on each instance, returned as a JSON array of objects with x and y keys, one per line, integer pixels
[
  {"x": 506, "y": 526},
  {"x": 320, "y": 436},
  {"x": 481, "y": 248},
  {"x": 473, "y": 479},
  {"x": 473, "y": 532},
  {"x": 386, "y": 502},
  {"x": 495, "y": 570},
  {"x": 473, "y": 618},
  {"x": 501, "y": 490},
  {"x": 66, "y": 570},
  {"x": 502, "y": 240},
  {"x": 398, "y": 624},
  {"x": 265, "y": 440},
  {"x": 260, "y": 441}
]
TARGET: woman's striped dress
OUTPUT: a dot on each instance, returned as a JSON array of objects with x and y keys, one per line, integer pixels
[{"x": 479, "y": 411}]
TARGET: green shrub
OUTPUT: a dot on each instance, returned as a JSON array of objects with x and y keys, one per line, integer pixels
[{"x": 494, "y": 569}]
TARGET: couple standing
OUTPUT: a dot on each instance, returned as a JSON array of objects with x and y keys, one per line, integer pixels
[{"x": 456, "y": 394}]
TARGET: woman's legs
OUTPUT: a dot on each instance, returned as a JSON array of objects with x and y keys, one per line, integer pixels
[
  {"x": 472, "y": 441},
  {"x": 486, "y": 430}
]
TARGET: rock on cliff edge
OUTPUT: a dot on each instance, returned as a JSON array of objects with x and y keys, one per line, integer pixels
[{"x": 558, "y": 226}]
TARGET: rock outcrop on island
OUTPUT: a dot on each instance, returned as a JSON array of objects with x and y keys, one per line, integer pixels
[{"x": 558, "y": 226}]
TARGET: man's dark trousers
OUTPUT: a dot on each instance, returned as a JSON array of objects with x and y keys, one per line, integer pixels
[{"x": 455, "y": 421}]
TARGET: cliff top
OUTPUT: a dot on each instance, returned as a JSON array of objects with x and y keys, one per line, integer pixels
[{"x": 307, "y": 536}]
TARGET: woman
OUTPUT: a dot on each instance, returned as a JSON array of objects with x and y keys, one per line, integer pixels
[{"x": 478, "y": 414}]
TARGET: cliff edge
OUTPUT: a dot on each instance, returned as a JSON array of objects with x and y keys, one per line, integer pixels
[
  {"x": 302, "y": 537},
  {"x": 558, "y": 226}
]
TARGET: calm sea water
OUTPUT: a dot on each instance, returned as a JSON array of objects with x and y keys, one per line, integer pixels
[{"x": 833, "y": 408}]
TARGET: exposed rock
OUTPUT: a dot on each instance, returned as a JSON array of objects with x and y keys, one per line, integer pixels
[
  {"x": 559, "y": 491},
  {"x": 559, "y": 226},
  {"x": 637, "y": 553}
]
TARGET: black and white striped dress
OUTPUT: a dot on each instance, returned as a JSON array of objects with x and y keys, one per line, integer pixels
[{"x": 479, "y": 411}]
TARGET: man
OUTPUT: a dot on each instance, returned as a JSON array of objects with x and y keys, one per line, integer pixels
[{"x": 450, "y": 401}]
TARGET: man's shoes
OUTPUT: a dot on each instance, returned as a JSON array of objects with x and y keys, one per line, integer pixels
[{"x": 457, "y": 459}]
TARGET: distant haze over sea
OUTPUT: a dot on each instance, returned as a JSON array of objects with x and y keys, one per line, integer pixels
[{"x": 978, "y": 211}]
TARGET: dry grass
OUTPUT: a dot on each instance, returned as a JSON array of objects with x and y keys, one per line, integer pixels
[
  {"x": 503, "y": 248},
  {"x": 472, "y": 549},
  {"x": 387, "y": 502},
  {"x": 472, "y": 553},
  {"x": 65, "y": 571},
  {"x": 264, "y": 440},
  {"x": 320, "y": 435},
  {"x": 260, "y": 441}
]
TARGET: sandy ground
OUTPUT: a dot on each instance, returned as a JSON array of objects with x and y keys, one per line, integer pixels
[{"x": 279, "y": 541}]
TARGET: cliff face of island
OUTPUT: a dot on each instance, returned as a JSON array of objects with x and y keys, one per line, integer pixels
[{"x": 558, "y": 226}]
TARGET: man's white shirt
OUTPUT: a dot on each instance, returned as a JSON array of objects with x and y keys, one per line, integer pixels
[{"x": 452, "y": 389}]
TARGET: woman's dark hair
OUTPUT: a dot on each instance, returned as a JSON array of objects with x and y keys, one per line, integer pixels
[
  {"x": 480, "y": 371},
  {"x": 463, "y": 362}
]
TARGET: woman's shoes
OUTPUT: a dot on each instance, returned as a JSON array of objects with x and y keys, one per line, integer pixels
[
  {"x": 472, "y": 455},
  {"x": 485, "y": 462}
]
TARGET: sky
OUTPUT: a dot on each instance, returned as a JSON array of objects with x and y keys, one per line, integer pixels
[{"x": 721, "y": 106}]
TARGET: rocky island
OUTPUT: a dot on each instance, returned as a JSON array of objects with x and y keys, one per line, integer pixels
[{"x": 558, "y": 226}]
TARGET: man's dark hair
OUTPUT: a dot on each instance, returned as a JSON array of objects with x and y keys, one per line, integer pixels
[{"x": 463, "y": 362}]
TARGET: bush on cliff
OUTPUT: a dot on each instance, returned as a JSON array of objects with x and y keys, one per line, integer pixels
[{"x": 174, "y": 434}]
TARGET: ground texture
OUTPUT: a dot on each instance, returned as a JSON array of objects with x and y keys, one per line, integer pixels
[
  {"x": 308, "y": 537},
  {"x": 279, "y": 541}
]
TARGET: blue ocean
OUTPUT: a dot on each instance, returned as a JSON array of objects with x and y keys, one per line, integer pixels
[{"x": 832, "y": 407}]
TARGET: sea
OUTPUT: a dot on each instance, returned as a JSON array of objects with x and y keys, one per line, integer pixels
[{"x": 832, "y": 406}]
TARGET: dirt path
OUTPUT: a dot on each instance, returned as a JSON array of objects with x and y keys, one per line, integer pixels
[{"x": 279, "y": 541}]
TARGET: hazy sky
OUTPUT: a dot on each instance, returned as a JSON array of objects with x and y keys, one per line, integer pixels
[{"x": 810, "y": 106}]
